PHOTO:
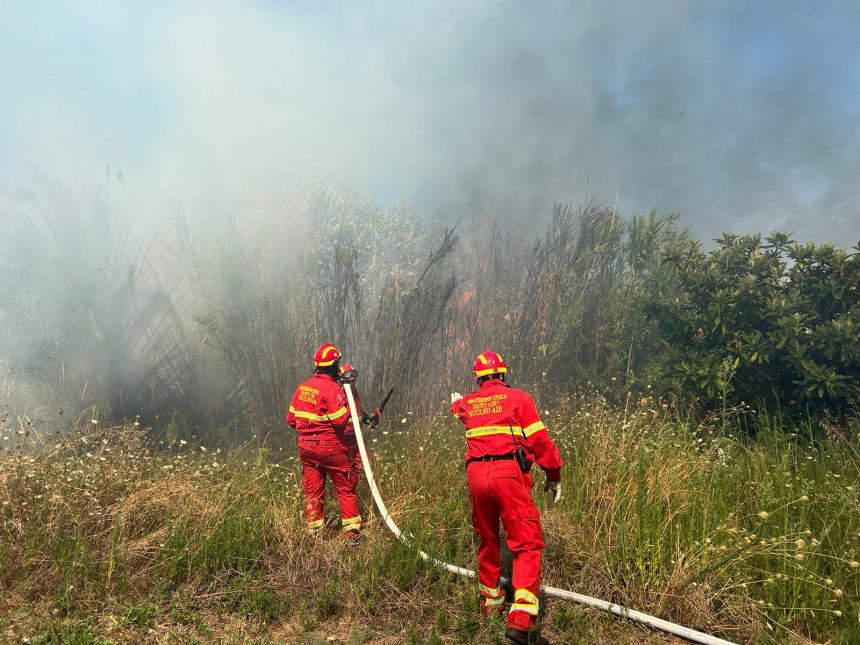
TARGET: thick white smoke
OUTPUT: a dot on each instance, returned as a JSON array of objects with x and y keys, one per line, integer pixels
[{"x": 741, "y": 115}]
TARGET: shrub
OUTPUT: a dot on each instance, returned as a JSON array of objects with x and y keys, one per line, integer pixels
[{"x": 772, "y": 322}]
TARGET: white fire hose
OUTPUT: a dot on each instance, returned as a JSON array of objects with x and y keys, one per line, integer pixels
[{"x": 596, "y": 603}]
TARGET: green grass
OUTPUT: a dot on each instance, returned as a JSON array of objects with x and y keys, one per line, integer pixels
[
  {"x": 68, "y": 633},
  {"x": 757, "y": 541},
  {"x": 141, "y": 616}
]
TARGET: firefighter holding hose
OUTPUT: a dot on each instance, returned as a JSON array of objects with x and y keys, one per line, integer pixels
[
  {"x": 318, "y": 411},
  {"x": 504, "y": 437}
]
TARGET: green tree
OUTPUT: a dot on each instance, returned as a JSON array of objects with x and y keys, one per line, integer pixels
[{"x": 768, "y": 321}]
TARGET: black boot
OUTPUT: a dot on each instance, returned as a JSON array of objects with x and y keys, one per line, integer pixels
[
  {"x": 509, "y": 591},
  {"x": 519, "y": 637}
]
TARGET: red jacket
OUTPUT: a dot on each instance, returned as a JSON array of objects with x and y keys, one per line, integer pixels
[
  {"x": 319, "y": 406},
  {"x": 498, "y": 417}
]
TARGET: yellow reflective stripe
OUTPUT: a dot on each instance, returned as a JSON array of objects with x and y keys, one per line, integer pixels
[
  {"x": 520, "y": 606},
  {"x": 525, "y": 600},
  {"x": 528, "y": 596},
  {"x": 326, "y": 351},
  {"x": 535, "y": 427},
  {"x": 316, "y": 524},
  {"x": 493, "y": 370},
  {"x": 494, "y": 602},
  {"x": 351, "y": 523},
  {"x": 490, "y": 591},
  {"x": 338, "y": 413},
  {"x": 485, "y": 431},
  {"x": 310, "y": 416}
]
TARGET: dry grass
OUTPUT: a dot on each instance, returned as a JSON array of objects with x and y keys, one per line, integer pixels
[{"x": 104, "y": 535}]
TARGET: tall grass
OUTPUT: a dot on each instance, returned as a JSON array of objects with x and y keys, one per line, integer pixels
[{"x": 111, "y": 536}]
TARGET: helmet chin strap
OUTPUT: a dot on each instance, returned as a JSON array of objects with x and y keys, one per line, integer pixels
[
  {"x": 489, "y": 377},
  {"x": 331, "y": 370}
]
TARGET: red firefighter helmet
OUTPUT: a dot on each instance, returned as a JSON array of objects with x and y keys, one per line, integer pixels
[
  {"x": 488, "y": 362},
  {"x": 326, "y": 355},
  {"x": 347, "y": 373}
]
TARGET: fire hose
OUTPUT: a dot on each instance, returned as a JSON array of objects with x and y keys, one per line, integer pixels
[{"x": 596, "y": 603}]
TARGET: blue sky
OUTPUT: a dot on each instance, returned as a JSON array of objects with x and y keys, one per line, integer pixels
[{"x": 741, "y": 115}]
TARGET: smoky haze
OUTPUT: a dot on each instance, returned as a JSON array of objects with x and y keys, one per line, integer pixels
[{"x": 741, "y": 115}]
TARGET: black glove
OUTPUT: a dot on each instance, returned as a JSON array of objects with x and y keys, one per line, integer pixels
[
  {"x": 371, "y": 420},
  {"x": 555, "y": 488}
]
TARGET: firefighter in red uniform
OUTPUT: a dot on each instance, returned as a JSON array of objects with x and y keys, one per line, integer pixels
[
  {"x": 504, "y": 436},
  {"x": 318, "y": 411}
]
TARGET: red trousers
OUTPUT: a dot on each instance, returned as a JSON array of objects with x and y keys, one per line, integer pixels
[
  {"x": 322, "y": 455},
  {"x": 500, "y": 490}
]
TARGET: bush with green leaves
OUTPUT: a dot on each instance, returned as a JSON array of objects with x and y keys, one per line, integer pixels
[{"x": 770, "y": 322}]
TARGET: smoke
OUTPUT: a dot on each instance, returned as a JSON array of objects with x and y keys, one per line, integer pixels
[{"x": 741, "y": 115}]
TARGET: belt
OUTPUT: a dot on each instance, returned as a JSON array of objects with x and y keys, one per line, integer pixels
[
  {"x": 322, "y": 434},
  {"x": 509, "y": 455}
]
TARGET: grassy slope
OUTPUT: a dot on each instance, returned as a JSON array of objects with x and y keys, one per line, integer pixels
[{"x": 104, "y": 538}]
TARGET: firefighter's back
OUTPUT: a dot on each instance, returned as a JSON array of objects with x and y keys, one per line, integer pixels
[
  {"x": 493, "y": 418},
  {"x": 318, "y": 405}
]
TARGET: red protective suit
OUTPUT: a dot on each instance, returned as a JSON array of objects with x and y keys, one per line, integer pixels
[
  {"x": 318, "y": 411},
  {"x": 497, "y": 419}
]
